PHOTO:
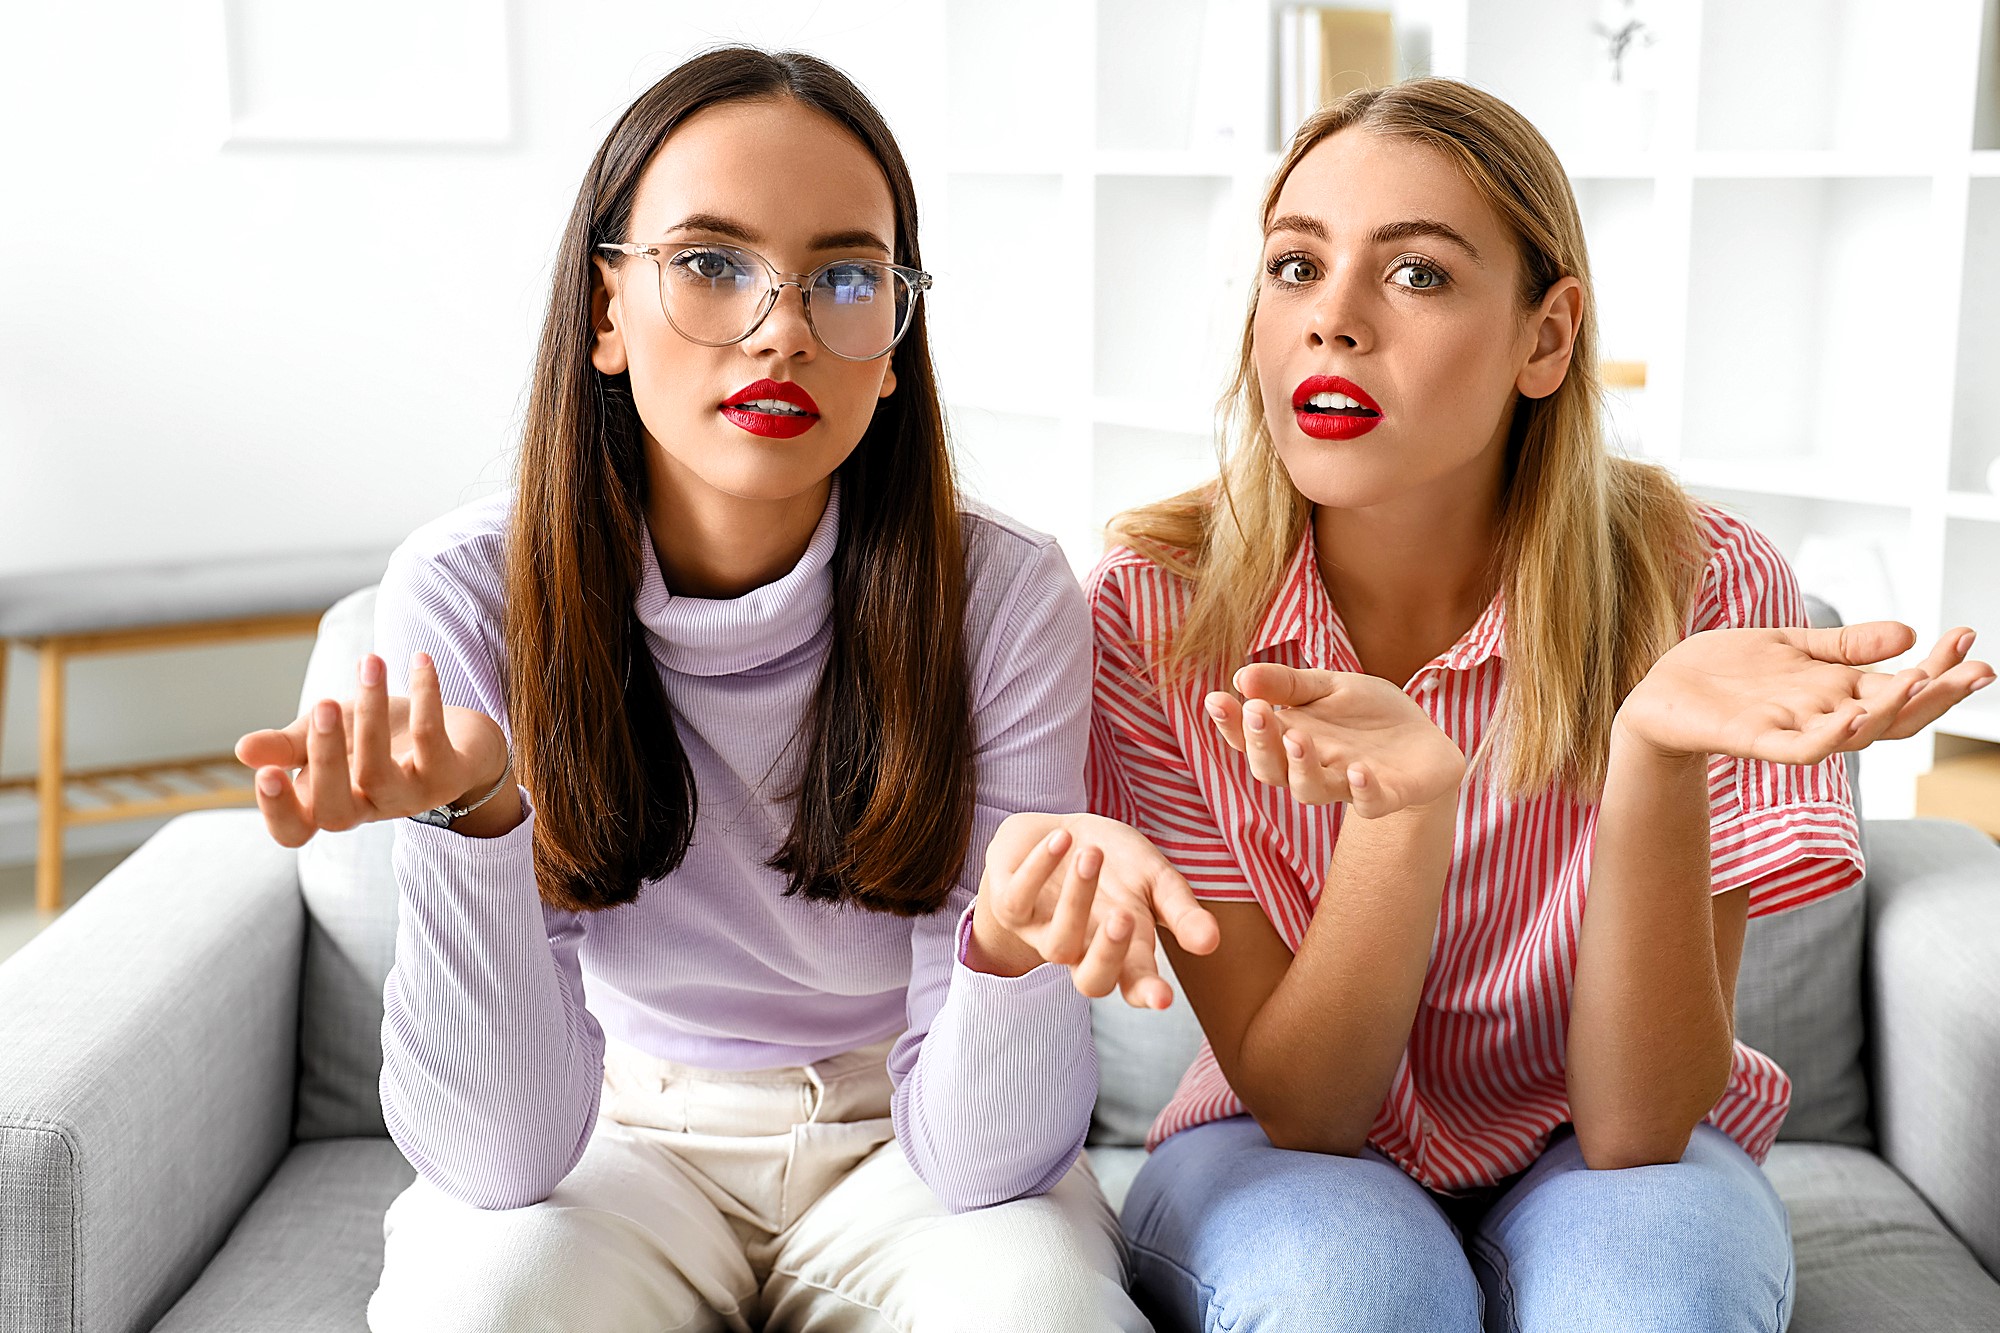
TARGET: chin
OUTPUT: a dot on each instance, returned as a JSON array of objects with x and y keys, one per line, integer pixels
[
  {"x": 750, "y": 468},
  {"x": 1334, "y": 475}
]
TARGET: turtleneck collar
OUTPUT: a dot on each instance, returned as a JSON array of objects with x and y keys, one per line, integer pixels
[{"x": 701, "y": 636}]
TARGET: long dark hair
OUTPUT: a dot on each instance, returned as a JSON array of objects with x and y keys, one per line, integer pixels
[{"x": 884, "y": 797}]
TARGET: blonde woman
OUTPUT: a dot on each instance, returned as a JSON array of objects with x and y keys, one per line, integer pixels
[{"x": 1482, "y": 745}]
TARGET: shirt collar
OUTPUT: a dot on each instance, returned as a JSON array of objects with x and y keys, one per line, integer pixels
[{"x": 1303, "y": 613}]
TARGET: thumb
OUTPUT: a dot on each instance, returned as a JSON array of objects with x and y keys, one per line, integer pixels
[
  {"x": 1278, "y": 684},
  {"x": 1855, "y": 645}
]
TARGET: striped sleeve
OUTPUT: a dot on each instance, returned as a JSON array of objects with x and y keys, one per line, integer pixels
[
  {"x": 1138, "y": 771},
  {"x": 1786, "y": 833}
]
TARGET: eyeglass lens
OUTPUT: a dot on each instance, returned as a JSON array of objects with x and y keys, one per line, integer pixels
[{"x": 715, "y": 293}]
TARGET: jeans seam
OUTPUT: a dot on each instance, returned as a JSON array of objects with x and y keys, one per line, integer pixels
[
  {"x": 1213, "y": 1302},
  {"x": 831, "y": 1290},
  {"x": 1497, "y": 1258}
]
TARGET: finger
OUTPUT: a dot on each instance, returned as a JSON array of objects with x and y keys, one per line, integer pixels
[
  {"x": 1261, "y": 744},
  {"x": 1227, "y": 714},
  {"x": 1369, "y": 798},
  {"x": 1174, "y": 905},
  {"x": 1019, "y": 900},
  {"x": 1069, "y": 926},
  {"x": 430, "y": 744},
  {"x": 329, "y": 792},
  {"x": 1278, "y": 684},
  {"x": 1884, "y": 707},
  {"x": 273, "y": 747},
  {"x": 1940, "y": 696},
  {"x": 1855, "y": 645},
  {"x": 1949, "y": 651},
  {"x": 380, "y": 778},
  {"x": 284, "y": 815},
  {"x": 1140, "y": 981},
  {"x": 1305, "y": 774},
  {"x": 1098, "y": 972}
]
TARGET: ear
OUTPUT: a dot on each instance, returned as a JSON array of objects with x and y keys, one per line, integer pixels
[
  {"x": 607, "y": 348},
  {"x": 1555, "y": 323},
  {"x": 888, "y": 377}
]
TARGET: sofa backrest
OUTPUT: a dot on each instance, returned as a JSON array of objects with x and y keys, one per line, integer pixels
[{"x": 1798, "y": 999}]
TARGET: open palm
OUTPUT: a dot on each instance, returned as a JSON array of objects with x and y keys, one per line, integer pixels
[{"x": 1795, "y": 696}]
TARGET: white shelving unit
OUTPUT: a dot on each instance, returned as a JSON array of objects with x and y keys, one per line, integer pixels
[{"x": 1797, "y": 230}]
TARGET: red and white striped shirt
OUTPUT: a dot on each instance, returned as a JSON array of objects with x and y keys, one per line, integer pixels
[{"x": 1480, "y": 1086}]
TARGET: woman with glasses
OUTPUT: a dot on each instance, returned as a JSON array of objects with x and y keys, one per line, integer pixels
[
  {"x": 1482, "y": 745},
  {"x": 720, "y": 997}
]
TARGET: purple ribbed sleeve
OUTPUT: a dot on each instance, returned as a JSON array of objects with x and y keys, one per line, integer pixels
[{"x": 492, "y": 1061}]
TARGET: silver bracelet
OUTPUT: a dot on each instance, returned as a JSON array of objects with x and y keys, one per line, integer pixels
[{"x": 444, "y": 816}]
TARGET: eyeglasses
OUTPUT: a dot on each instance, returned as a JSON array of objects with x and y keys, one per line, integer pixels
[{"x": 717, "y": 295}]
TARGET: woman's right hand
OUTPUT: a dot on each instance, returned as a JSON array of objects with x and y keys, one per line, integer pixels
[
  {"x": 375, "y": 757},
  {"x": 1338, "y": 736}
]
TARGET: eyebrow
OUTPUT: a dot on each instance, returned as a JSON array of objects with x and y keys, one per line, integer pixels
[
  {"x": 717, "y": 225},
  {"x": 1387, "y": 234}
]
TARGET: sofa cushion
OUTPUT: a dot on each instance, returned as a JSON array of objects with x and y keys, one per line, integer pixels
[
  {"x": 307, "y": 1253},
  {"x": 350, "y": 895},
  {"x": 1141, "y": 1055},
  {"x": 1871, "y": 1254}
]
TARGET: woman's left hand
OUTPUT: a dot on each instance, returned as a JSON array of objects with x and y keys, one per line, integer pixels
[{"x": 1795, "y": 696}]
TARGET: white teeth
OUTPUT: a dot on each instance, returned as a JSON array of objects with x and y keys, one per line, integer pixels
[
  {"x": 776, "y": 407},
  {"x": 1330, "y": 402}
]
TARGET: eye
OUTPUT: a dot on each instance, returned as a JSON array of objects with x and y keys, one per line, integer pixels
[
  {"x": 1293, "y": 270},
  {"x": 854, "y": 282},
  {"x": 712, "y": 265},
  {"x": 1424, "y": 276}
]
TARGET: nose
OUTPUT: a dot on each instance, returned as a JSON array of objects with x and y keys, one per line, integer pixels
[
  {"x": 1340, "y": 313},
  {"x": 784, "y": 331}
]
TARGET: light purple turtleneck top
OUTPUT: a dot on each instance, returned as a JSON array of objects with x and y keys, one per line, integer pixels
[{"x": 497, "y": 1006}]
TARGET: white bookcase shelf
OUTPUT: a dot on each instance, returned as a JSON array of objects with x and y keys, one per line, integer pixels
[{"x": 1794, "y": 220}]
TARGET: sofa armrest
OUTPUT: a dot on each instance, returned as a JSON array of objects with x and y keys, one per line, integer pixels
[
  {"x": 1934, "y": 991},
  {"x": 147, "y": 1061}
]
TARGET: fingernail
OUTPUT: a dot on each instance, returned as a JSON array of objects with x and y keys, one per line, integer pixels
[
  {"x": 421, "y": 660},
  {"x": 1118, "y": 927},
  {"x": 1980, "y": 685},
  {"x": 1216, "y": 710},
  {"x": 371, "y": 671},
  {"x": 325, "y": 715},
  {"x": 1254, "y": 721},
  {"x": 270, "y": 782},
  {"x": 1294, "y": 749}
]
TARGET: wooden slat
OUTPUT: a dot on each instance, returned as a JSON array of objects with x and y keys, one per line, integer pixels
[
  {"x": 192, "y": 634},
  {"x": 178, "y": 805},
  {"x": 133, "y": 770}
]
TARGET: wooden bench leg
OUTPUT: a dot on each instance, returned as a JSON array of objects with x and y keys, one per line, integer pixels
[{"x": 49, "y": 783}]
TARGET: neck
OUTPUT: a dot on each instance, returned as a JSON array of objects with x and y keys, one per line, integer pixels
[
  {"x": 1412, "y": 575},
  {"x": 714, "y": 545}
]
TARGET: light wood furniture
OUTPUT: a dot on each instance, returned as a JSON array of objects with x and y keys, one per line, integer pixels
[{"x": 66, "y": 615}]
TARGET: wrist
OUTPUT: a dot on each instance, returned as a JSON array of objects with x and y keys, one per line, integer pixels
[
  {"x": 1630, "y": 742},
  {"x": 993, "y": 949}
]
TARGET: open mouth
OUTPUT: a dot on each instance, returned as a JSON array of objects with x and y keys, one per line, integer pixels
[
  {"x": 1331, "y": 407},
  {"x": 776, "y": 409}
]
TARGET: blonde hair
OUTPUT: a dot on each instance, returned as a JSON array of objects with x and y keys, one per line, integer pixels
[{"x": 1598, "y": 556}]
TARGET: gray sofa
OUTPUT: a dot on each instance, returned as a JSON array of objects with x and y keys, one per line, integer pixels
[{"x": 190, "y": 1137}]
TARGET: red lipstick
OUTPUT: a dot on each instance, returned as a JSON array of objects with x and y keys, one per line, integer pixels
[
  {"x": 776, "y": 409},
  {"x": 1337, "y": 423}
]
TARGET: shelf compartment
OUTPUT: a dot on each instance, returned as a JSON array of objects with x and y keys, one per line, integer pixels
[
  {"x": 1174, "y": 256},
  {"x": 1786, "y": 354},
  {"x": 1776, "y": 74}
]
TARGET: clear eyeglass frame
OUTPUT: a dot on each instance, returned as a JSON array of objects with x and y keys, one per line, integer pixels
[{"x": 920, "y": 282}]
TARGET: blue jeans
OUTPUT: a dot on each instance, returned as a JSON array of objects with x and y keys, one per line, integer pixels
[{"x": 1230, "y": 1233}]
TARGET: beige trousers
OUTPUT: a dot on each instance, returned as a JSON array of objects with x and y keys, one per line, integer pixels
[{"x": 776, "y": 1199}]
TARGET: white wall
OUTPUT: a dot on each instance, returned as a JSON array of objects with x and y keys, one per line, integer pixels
[{"x": 212, "y": 344}]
